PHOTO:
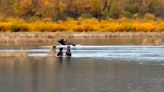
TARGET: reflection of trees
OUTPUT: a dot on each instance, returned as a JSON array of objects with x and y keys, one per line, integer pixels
[
  {"x": 158, "y": 41},
  {"x": 65, "y": 74},
  {"x": 16, "y": 70},
  {"x": 10, "y": 62},
  {"x": 35, "y": 75},
  {"x": 38, "y": 73},
  {"x": 15, "y": 54},
  {"x": 109, "y": 41},
  {"x": 152, "y": 41}
]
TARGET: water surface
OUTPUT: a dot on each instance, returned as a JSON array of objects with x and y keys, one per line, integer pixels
[{"x": 104, "y": 68}]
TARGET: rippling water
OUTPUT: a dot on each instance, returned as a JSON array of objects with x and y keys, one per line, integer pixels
[
  {"x": 105, "y": 68},
  {"x": 139, "y": 53},
  {"x": 49, "y": 74}
]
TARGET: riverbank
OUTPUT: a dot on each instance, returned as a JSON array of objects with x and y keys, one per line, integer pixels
[{"x": 32, "y": 38}]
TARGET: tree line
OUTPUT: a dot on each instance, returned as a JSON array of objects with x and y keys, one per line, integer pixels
[{"x": 62, "y": 9}]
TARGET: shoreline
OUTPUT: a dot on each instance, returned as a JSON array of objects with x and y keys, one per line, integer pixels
[{"x": 52, "y": 37}]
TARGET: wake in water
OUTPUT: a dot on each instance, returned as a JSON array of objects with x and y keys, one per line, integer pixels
[
  {"x": 109, "y": 52},
  {"x": 105, "y": 52}
]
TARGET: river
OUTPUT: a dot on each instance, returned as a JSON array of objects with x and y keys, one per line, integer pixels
[{"x": 96, "y": 65}]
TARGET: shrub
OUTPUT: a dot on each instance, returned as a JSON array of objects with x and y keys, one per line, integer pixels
[
  {"x": 14, "y": 28},
  {"x": 87, "y": 15},
  {"x": 149, "y": 16},
  {"x": 80, "y": 25}
]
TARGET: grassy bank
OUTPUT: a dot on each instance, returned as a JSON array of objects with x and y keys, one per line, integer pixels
[
  {"x": 39, "y": 37},
  {"x": 77, "y": 35},
  {"x": 30, "y": 39},
  {"x": 83, "y": 25}
]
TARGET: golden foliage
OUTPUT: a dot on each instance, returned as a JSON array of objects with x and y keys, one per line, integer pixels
[{"x": 83, "y": 25}]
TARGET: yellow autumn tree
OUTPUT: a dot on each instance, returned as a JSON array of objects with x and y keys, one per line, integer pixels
[
  {"x": 22, "y": 7},
  {"x": 96, "y": 7},
  {"x": 47, "y": 8},
  {"x": 83, "y": 6}
]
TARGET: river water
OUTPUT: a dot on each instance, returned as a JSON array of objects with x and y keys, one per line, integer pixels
[{"x": 95, "y": 66}]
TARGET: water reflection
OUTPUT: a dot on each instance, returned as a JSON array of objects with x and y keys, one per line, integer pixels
[
  {"x": 152, "y": 41},
  {"x": 71, "y": 74},
  {"x": 121, "y": 41},
  {"x": 36, "y": 87},
  {"x": 102, "y": 41},
  {"x": 50, "y": 74}
]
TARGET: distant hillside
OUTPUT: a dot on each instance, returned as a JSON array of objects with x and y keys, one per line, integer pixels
[{"x": 62, "y": 9}]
